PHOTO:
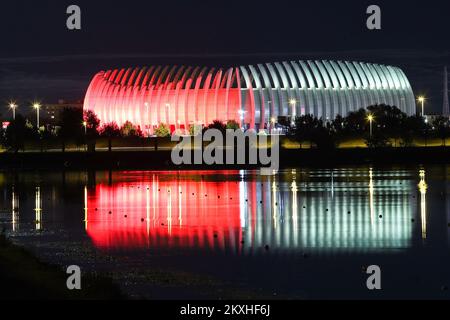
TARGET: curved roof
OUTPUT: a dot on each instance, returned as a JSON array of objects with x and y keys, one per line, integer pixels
[{"x": 289, "y": 88}]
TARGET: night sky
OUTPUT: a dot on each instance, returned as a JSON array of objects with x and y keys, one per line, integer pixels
[{"x": 41, "y": 59}]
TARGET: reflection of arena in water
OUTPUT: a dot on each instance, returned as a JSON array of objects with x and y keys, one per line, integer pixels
[
  {"x": 244, "y": 212},
  {"x": 161, "y": 213},
  {"x": 328, "y": 212}
]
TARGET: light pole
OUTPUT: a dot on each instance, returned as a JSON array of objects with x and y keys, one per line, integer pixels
[
  {"x": 421, "y": 99},
  {"x": 293, "y": 102},
  {"x": 168, "y": 113},
  {"x": 13, "y": 106},
  {"x": 370, "y": 118},
  {"x": 37, "y": 106},
  {"x": 273, "y": 120},
  {"x": 269, "y": 102},
  {"x": 85, "y": 135},
  {"x": 241, "y": 118},
  {"x": 147, "y": 125}
]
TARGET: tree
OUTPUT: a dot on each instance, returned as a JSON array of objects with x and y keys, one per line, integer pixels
[
  {"x": 309, "y": 128},
  {"x": 92, "y": 123},
  {"x": 218, "y": 125},
  {"x": 304, "y": 128},
  {"x": 110, "y": 130},
  {"x": 325, "y": 138},
  {"x": 377, "y": 140},
  {"x": 162, "y": 131},
  {"x": 130, "y": 130},
  {"x": 356, "y": 122},
  {"x": 389, "y": 119},
  {"x": 18, "y": 131},
  {"x": 195, "y": 129},
  {"x": 233, "y": 125},
  {"x": 338, "y": 124},
  {"x": 71, "y": 126},
  {"x": 442, "y": 127},
  {"x": 411, "y": 127},
  {"x": 2, "y": 136}
]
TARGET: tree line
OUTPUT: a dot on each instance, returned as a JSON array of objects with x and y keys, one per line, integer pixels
[{"x": 390, "y": 126}]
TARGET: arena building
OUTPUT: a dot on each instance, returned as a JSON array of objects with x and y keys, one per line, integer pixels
[{"x": 256, "y": 96}]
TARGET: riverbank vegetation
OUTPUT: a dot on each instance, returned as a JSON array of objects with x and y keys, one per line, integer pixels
[{"x": 378, "y": 126}]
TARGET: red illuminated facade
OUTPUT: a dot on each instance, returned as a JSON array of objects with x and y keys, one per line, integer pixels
[{"x": 175, "y": 96}]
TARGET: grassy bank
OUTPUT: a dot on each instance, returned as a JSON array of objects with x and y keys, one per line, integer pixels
[
  {"x": 154, "y": 143},
  {"x": 24, "y": 277}
]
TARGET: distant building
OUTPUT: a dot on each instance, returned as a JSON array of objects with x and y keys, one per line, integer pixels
[{"x": 51, "y": 113}]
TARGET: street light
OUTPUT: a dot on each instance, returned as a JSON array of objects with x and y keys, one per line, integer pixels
[
  {"x": 37, "y": 106},
  {"x": 147, "y": 119},
  {"x": 269, "y": 102},
  {"x": 370, "y": 119},
  {"x": 168, "y": 113},
  {"x": 293, "y": 102},
  {"x": 13, "y": 106},
  {"x": 85, "y": 127},
  {"x": 273, "y": 120},
  {"x": 421, "y": 99},
  {"x": 241, "y": 118}
]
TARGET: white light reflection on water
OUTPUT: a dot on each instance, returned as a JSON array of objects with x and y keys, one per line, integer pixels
[
  {"x": 38, "y": 209},
  {"x": 423, "y": 187}
]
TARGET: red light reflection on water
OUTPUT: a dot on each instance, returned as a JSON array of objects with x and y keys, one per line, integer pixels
[{"x": 160, "y": 212}]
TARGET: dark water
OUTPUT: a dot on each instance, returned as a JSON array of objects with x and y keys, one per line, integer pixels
[{"x": 304, "y": 233}]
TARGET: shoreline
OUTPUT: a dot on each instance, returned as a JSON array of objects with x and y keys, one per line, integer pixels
[
  {"x": 22, "y": 272},
  {"x": 161, "y": 159}
]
